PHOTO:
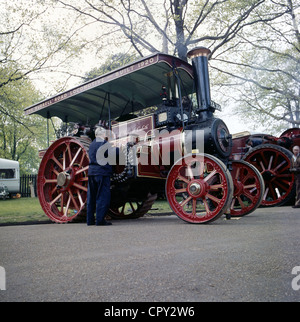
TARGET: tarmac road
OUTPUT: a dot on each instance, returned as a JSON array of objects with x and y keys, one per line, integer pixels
[{"x": 155, "y": 258}]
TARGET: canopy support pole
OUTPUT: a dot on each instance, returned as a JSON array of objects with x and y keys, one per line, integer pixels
[
  {"x": 48, "y": 117},
  {"x": 109, "y": 115},
  {"x": 179, "y": 92}
]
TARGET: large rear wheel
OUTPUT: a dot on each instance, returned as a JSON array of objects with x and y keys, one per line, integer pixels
[
  {"x": 273, "y": 162},
  {"x": 63, "y": 179}
]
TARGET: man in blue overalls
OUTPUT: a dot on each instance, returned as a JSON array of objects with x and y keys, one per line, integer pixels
[{"x": 100, "y": 170}]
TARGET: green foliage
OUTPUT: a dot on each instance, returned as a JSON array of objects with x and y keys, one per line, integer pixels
[
  {"x": 113, "y": 62},
  {"x": 20, "y": 136}
]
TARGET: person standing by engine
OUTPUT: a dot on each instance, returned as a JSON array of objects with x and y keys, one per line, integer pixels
[
  {"x": 295, "y": 168},
  {"x": 101, "y": 153}
]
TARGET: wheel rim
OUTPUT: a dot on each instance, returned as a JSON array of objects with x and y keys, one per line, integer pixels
[
  {"x": 132, "y": 209},
  {"x": 63, "y": 180},
  {"x": 273, "y": 163},
  {"x": 199, "y": 188},
  {"x": 248, "y": 188},
  {"x": 128, "y": 210}
]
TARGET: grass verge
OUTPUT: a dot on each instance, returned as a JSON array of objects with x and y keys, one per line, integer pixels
[
  {"x": 23, "y": 210},
  {"x": 28, "y": 210}
]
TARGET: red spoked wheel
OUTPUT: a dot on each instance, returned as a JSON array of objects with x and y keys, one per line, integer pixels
[
  {"x": 249, "y": 188},
  {"x": 199, "y": 188},
  {"x": 63, "y": 179},
  {"x": 274, "y": 162}
]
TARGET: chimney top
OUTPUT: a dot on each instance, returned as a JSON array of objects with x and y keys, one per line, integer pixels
[{"x": 198, "y": 51}]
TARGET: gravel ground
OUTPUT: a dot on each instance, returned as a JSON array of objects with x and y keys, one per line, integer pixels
[{"x": 155, "y": 258}]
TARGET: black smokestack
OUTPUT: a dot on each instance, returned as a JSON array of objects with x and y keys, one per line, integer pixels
[{"x": 199, "y": 58}]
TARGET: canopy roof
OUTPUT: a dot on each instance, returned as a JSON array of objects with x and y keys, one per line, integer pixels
[{"x": 127, "y": 89}]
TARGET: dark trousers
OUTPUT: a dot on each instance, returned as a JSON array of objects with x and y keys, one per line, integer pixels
[
  {"x": 98, "y": 198},
  {"x": 297, "y": 179}
]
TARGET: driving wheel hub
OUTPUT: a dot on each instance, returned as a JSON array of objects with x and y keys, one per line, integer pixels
[{"x": 63, "y": 179}]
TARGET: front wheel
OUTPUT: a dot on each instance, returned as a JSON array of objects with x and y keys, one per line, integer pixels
[{"x": 199, "y": 188}]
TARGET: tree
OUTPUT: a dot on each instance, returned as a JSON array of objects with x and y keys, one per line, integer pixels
[
  {"x": 22, "y": 56},
  {"x": 265, "y": 69},
  {"x": 35, "y": 40},
  {"x": 113, "y": 62},
  {"x": 170, "y": 25},
  {"x": 236, "y": 31},
  {"x": 20, "y": 137}
]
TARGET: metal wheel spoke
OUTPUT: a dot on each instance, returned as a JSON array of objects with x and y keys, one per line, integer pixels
[
  {"x": 177, "y": 191},
  {"x": 82, "y": 159},
  {"x": 80, "y": 198},
  {"x": 215, "y": 199},
  {"x": 278, "y": 184},
  {"x": 53, "y": 190},
  {"x": 55, "y": 171},
  {"x": 57, "y": 162},
  {"x": 73, "y": 200},
  {"x": 62, "y": 203},
  {"x": 79, "y": 186},
  {"x": 273, "y": 193},
  {"x": 210, "y": 175},
  {"x": 50, "y": 181},
  {"x": 241, "y": 202},
  {"x": 265, "y": 162},
  {"x": 55, "y": 199},
  {"x": 194, "y": 212},
  {"x": 280, "y": 165},
  {"x": 216, "y": 186},
  {"x": 206, "y": 206},
  {"x": 132, "y": 207},
  {"x": 250, "y": 186},
  {"x": 189, "y": 171},
  {"x": 266, "y": 193},
  {"x": 64, "y": 160},
  {"x": 270, "y": 162},
  {"x": 249, "y": 196},
  {"x": 246, "y": 178},
  {"x": 69, "y": 152},
  {"x": 237, "y": 174},
  {"x": 75, "y": 157},
  {"x": 262, "y": 166},
  {"x": 183, "y": 203},
  {"x": 82, "y": 169},
  {"x": 67, "y": 207}
]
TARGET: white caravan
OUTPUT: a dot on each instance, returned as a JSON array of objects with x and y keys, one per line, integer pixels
[{"x": 10, "y": 175}]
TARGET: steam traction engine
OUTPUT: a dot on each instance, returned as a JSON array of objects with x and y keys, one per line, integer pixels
[
  {"x": 272, "y": 157},
  {"x": 180, "y": 149}
]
